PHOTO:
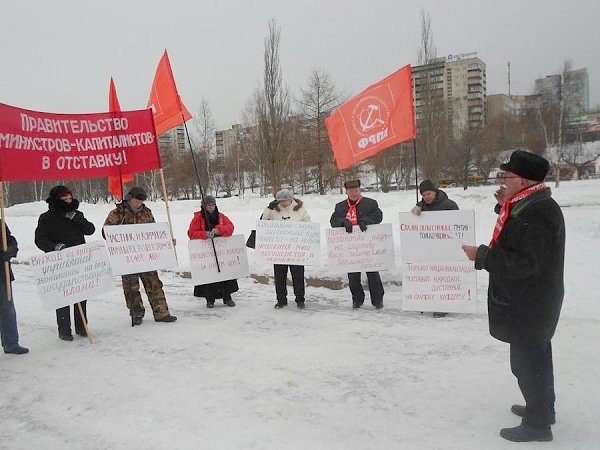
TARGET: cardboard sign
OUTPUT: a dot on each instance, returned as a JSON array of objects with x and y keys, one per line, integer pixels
[
  {"x": 232, "y": 256},
  {"x": 71, "y": 275},
  {"x": 139, "y": 248},
  {"x": 361, "y": 251},
  {"x": 285, "y": 242},
  {"x": 436, "y": 273}
]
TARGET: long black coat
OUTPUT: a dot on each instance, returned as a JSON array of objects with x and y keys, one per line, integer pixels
[
  {"x": 11, "y": 249},
  {"x": 54, "y": 228},
  {"x": 368, "y": 213},
  {"x": 526, "y": 269},
  {"x": 441, "y": 203}
]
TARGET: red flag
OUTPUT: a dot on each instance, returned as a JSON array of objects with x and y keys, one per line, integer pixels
[
  {"x": 167, "y": 107},
  {"x": 115, "y": 184},
  {"x": 374, "y": 120}
]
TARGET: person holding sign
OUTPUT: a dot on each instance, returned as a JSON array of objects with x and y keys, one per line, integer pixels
[
  {"x": 209, "y": 223},
  {"x": 132, "y": 211},
  {"x": 8, "y": 316},
  {"x": 287, "y": 208},
  {"x": 525, "y": 260},
  {"x": 433, "y": 199},
  {"x": 62, "y": 226},
  {"x": 361, "y": 211}
]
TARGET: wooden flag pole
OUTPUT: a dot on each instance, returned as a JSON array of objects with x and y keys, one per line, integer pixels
[
  {"x": 164, "y": 188},
  {"x": 85, "y": 323},
  {"x": 5, "y": 244}
]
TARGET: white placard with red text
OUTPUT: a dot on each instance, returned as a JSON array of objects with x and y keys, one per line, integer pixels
[
  {"x": 139, "y": 248},
  {"x": 361, "y": 251},
  {"x": 286, "y": 242},
  {"x": 231, "y": 255},
  {"x": 436, "y": 274},
  {"x": 71, "y": 275}
]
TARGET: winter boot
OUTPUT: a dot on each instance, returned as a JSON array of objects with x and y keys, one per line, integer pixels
[
  {"x": 229, "y": 302},
  {"x": 525, "y": 433},
  {"x": 66, "y": 337},
  {"x": 280, "y": 305},
  {"x": 519, "y": 410},
  {"x": 167, "y": 319},
  {"x": 18, "y": 350}
]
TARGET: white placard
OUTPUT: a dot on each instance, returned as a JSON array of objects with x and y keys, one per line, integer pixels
[
  {"x": 140, "y": 247},
  {"x": 71, "y": 275},
  {"x": 442, "y": 286},
  {"x": 231, "y": 252},
  {"x": 286, "y": 242},
  {"x": 361, "y": 251},
  {"x": 436, "y": 235},
  {"x": 436, "y": 273}
]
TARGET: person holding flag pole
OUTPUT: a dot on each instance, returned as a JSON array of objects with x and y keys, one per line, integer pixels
[{"x": 169, "y": 111}]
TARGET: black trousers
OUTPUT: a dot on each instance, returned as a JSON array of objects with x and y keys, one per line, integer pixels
[
  {"x": 375, "y": 288},
  {"x": 281, "y": 271},
  {"x": 532, "y": 365},
  {"x": 63, "y": 318}
]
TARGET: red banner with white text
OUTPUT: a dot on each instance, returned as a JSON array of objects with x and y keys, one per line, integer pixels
[
  {"x": 40, "y": 146},
  {"x": 374, "y": 120}
]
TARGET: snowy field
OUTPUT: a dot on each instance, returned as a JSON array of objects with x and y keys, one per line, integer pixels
[{"x": 327, "y": 377}]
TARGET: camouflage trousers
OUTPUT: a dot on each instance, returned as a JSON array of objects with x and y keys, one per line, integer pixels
[{"x": 154, "y": 290}]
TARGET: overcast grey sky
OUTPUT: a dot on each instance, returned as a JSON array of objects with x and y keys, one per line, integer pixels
[{"x": 58, "y": 55}]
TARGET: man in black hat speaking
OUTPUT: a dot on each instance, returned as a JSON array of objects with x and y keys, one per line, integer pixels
[{"x": 525, "y": 260}]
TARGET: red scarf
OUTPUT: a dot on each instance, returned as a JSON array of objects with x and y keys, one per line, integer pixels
[
  {"x": 507, "y": 207},
  {"x": 352, "y": 214}
]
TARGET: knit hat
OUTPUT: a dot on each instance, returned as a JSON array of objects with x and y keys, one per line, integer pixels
[
  {"x": 527, "y": 165},
  {"x": 138, "y": 193},
  {"x": 208, "y": 200},
  {"x": 352, "y": 184},
  {"x": 57, "y": 192},
  {"x": 427, "y": 185},
  {"x": 284, "y": 194}
]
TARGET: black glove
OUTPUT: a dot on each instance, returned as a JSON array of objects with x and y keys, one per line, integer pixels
[
  {"x": 362, "y": 226},
  {"x": 75, "y": 215},
  {"x": 4, "y": 256},
  {"x": 348, "y": 226},
  {"x": 273, "y": 204}
]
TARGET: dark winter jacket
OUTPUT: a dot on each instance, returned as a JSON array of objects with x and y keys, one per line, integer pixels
[
  {"x": 368, "y": 213},
  {"x": 526, "y": 268},
  {"x": 55, "y": 228},
  {"x": 441, "y": 203},
  {"x": 11, "y": 250},
  {"x": 124, "y": 214}
]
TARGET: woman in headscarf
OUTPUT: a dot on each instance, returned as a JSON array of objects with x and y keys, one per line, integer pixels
[{"x": 209, "y": 223}]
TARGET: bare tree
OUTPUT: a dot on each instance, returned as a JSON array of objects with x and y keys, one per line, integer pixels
[
  {"x": 272, "y": 110},
  {"x": 317, "y": 100},
  {"x": 204, "y": 138}
]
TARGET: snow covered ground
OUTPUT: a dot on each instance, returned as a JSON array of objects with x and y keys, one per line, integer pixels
[{"x": 328, "y": 377}]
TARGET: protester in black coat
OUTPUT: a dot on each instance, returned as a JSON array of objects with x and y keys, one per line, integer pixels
[
  {"x": 525, "y": 261},
  {"x": 62, "y": 226},
  {"x": 361, "y": 211},
  {"x": 433, "y": 199}
]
